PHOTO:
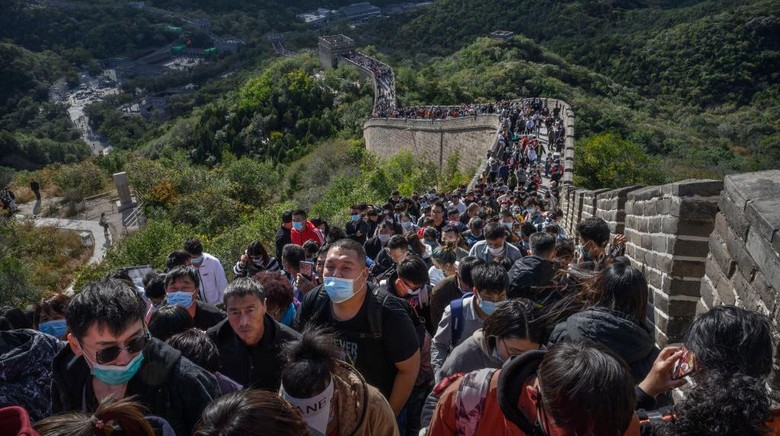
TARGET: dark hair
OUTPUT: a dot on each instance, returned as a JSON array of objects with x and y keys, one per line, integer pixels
[
  {"x": 430, "y": 233},
  {"x": 465, "y": 267},
  {"x": 176, "y": 258},
  {"x": 293, "y": 254},
  {"x": 476, "y": 222},
  {"x": 398, "y": 242},
  {"x": 732, "y": 340},
  {"x": 553, "y": 229},
  {"x": 299, "y": 212},
  {"x": 415, "y": 245},
  {"x": 505, "y": 263},
  {"x": 167, "y": 321},
  {"x": 490, "y": 277},
  {"x": 494, "y": 230},
  {"x": 122, "y": 275},
  {"x": 542, "y": 244},
  {"x": 311, "y": 360},
  {"x": 564, "y": 247},
  {"x": 287, "y": 216},
  {"x": 251, "y": 411},
  {"x": 15, "y": 317},
  {"x": 256, "y": 248},
  {"x": 193, "y": 246},
  {"x": 310, "y": 248},
  {"x": 51, "y": 307},
  {"x": 594, "y": 229},
  {"x": 586, "y": 388},
  {"x": 414, "y": 270},
  {"x": 108, "y": 303},
  {"x": 723, "y": 403},
  {"x": 517, "y": 318},
  {"x": 182, "y": 271},
  {"x": 278, "y": 290},
  {"x": 242, "y": 287},
  {"x": 334, "y": 234},
  {"x": 118, "y": 417},
  {"x": 619, "y": 287},
  {"x": 528, "y": 229},
  {"x": 197, "y": 346},
  {"x": 154, "y": 285},
  {"x": 350, "y": 245},
  {"x": 446, "y": 253}
]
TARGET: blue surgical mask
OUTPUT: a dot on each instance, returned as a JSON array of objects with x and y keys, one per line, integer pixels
[
  {"x": 117, "y": 374},
  {"x": 508, "y": 225},
  {"x": 56, "y": 328},
  {"x": 355, "y": 217},
  {"x": 180, "y": 298},
  {"x": 384, "y": 238},
  {"x": 297, "y": 226},
  {"x": 489, "y": 306},
  {"x": 198, "y": 259},
  {"x": 584, "y": 254},
  {"x": 406, "y": 225},
  {"x": 338, "y": 289}
]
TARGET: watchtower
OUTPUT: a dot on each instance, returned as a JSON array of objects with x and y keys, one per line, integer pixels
[{"x": 332, "y": 48}]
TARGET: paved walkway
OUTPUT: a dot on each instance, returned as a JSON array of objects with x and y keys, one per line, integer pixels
[{"x": 102, "y": 241}]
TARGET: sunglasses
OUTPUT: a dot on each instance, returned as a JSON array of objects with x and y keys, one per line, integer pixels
[{"x": 135, "y": 345}]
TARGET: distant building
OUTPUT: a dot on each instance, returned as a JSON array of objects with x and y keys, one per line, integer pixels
[
  {"x": 318, "y": 18},
  {"x": 502, "y": 35},
  {"x": 359, "y": 11},
  {"x": 332, "y": 47}
]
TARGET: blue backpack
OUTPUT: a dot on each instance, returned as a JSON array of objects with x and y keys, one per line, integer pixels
[{"x": 457, "y": 322}]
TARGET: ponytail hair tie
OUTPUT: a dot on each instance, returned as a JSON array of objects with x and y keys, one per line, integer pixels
[{"x": 99, "y": 424}]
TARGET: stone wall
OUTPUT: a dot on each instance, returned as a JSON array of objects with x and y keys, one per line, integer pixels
[
  {"x": 743, "y": 266},
  {"x": 667, "y": 228},
  {"x": 434, "y": 140}
]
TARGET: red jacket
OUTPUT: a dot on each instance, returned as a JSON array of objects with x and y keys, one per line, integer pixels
[{"x": 309, "y": 233}]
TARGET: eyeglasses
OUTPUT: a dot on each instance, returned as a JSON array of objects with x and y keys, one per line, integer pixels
[{"x": 135, "y": 345}]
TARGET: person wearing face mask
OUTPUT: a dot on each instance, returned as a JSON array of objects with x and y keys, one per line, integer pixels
[
  {"x": 396, "y": 249},
  {"x": 407, "y": 224},
  {"x": 465, "y": 316},
  {"x": 474, "y": 233},
  {"x": 49, "y": 315},
  {"x": 367, "y": 324},
  {"x": 332, "y": 395},
  {"x": 212, "y": 280},
  {"x": 254, "y": 260},
  {"x": 376, "y": 244},
  {"x": 357, "y": 229},
  {"x": 112, "y": 354},
  {"x": 444, "y": 263},
  {"x": 495, "y": 247},
  {"x": 304, "y": 230},
  {"x": 181, "y": 289}
]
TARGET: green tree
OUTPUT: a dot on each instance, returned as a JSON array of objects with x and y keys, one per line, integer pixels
[{"x": 609, "y": 161}]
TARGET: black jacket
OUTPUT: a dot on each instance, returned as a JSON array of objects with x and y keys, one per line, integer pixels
[
  {"x": 282, "y": 238},
  {"x": 207, "y": 315},
  {"x": 168, "y": 385},
  {"x": 634, "y": 343},
  {"x": 256, "y": 367},
  {"x": 25, "y": 370},
  {"x": 532, "y": 277},
  {"x": 373, "y": 247}
]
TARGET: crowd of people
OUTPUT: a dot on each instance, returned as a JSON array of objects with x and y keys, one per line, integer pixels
[
  {"x": 469, "y": 312},
  {"x": 384, "y": 101}
]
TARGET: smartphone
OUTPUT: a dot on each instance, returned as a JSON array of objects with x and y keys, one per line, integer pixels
[
  {"x": 307, "y": 269},
  {"x": 687, "y": 365}
]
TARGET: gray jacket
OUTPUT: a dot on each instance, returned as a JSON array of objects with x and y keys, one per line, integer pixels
[
  {"x": 442, "y": 345},
  {"x": 480, "y": 250},
  {"x": 472, "y": 354}
]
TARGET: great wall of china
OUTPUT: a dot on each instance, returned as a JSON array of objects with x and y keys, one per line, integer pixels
[{"x": 699, "y": 243}]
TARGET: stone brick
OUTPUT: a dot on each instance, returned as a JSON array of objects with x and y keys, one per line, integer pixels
[
  {"x": 682, "y": 308},
  {"x": 701, "y": 308},
  {"x": 764, "y": 216},
  {"x": 721, "y": 255},
  {"x": 695, "y": 227},
  {"x": 653, "y": 277},
  {"x": 661, "y": 243},
  {"x": 735, "y": 215},
  {"x": 689, "y": 248},
  {"x": 670, "y": 225},
  {"x": 726, "y": 292},
  {"x": 654, "y": 225},
  {"x": 677, "y": 286},
  {"x": 698, "y": 209},
  {"x": 708, "y": 293},
  {"x": 765, "y": 290},
  {"x": 660, "y": 302},
  {"x": 664, "y": 263},
  {"x": 741, "y": 285},
  {"x": 664, "y": 206},
  {"x": 752, "y": 186},
  {"x": 764, "y": 257},
  {"x": 704, "y": 188},
  {"x": 688, "y": 268},
  {"x": 645, "y": 193},
  {"x": 676, "y": 327}
]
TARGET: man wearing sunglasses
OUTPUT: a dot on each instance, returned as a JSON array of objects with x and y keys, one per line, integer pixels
[{"x": 112, "y": 354}]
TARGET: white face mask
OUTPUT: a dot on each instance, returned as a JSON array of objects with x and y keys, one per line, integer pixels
[{"x": 495, "y": 251}]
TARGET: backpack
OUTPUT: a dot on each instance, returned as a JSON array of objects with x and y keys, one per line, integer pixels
[
  {"x": 456, "y": 324},
  {"x": 470, "y": 402}
]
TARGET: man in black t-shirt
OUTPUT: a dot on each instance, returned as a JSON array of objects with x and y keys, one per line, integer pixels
[{"x": 373, "y": 329}]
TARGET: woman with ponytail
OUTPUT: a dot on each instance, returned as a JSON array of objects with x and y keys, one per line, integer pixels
[{"x": 112, "y": 417}]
